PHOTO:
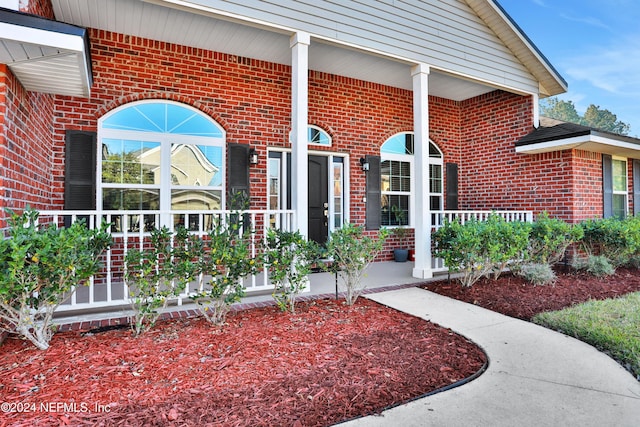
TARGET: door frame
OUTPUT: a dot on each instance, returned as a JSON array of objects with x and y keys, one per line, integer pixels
[{"x": 285, "y": 182}]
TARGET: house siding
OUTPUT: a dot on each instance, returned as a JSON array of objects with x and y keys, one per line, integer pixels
[{"x": 447, "y": 35}]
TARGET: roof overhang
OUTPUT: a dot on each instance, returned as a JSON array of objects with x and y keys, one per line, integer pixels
[
  {"x": 44, "y": 55},
  {"x": 589, "y": 140}
]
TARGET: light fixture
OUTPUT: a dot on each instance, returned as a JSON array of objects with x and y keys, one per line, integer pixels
[
  {"x": 253, "y": 156},
  {"x": 364, "y": 164}
]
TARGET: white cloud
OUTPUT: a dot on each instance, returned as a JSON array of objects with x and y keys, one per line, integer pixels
[
  {"x": 613, "y": 69},
  {"x": 588, "y": 20}
]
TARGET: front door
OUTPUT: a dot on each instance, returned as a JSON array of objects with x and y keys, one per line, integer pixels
[{"x": 318, "y": 192}]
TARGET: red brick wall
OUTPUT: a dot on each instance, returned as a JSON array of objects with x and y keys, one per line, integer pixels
[
  {"x": 39, "y": 7},
  {"x": 25, "y": 145},
  {"x": 494, "y": 176},
  {"x": 587, "y": 185}
]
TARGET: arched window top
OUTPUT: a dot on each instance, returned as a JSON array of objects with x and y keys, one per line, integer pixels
[
  {"x": 162, "y": 117},
  {"x": 317, "y": 136},
  {"x": 402, "y": 143}
]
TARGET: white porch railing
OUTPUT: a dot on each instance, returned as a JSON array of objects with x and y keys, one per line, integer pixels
[
  {"x": 438, "y": 219},
  {"x": 129, "y": 229}
]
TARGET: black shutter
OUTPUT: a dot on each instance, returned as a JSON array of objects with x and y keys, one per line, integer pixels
[
  {"x": 373, "y": 214},
  {"x": 607, "y": 186},
  {"x": 80, "y": 171},
  {"x": 238, "y": 166},
  {"x": 636, "y": 187},
  {"x": 452, "y": 187}
]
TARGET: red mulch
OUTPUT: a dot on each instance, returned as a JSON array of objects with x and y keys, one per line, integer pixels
[
  {"x": 513, "y": 296},
  {"x": 324, "y": 364}
]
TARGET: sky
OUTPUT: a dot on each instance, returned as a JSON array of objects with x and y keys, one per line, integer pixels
[{"x": 594, "y": 45}]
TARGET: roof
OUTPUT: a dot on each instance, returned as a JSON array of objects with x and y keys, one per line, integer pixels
[
  {"x": 45, "y": 55},
  {"x": 556, "y": 135}
]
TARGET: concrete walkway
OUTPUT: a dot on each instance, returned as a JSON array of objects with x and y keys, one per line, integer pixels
[{"x": 536, "y": 377}]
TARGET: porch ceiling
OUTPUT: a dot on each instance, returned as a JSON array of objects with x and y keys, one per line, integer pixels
[
  {"x": 45, "y": 56},
  {"x": 202, "y": 29}
]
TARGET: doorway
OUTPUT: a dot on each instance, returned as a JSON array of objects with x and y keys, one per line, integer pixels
[
  {"x": 327, "y": 190},
  {"x": 318, "y": 194}
]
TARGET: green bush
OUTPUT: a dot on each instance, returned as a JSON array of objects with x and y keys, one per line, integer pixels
[
  {"x": 158, "y": 273},
  {"x": 549, "y": 238},
  {"x": 612, "y": 238},
  {"x": 538, "y": 274},
  {"x": 226, "y": 259},
  {"x": 479, "y": 248},
  {"x": 40, "y": 268},
  {"x": 351, "y": 252},
  {"x": 289, "y": 258}
]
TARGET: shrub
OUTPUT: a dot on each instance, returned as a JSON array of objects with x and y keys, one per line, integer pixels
[
  {"x": 549, "y": 238},
  {"x": 289, "y": 258},
  {"x": 599, "y": 266},
  {"x": 610, "y": 237},
  {"x": 351, "y": 253},
  {"x": 226, "y": 258},
  {"x": 41, "y": 267},
  {"x": 158, "y": 273},
  {"x": 478, "y": 248},
  {"x": 538, "y": 274}
]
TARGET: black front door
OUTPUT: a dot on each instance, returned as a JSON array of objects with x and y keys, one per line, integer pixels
[{"x": 318, "y": 199}]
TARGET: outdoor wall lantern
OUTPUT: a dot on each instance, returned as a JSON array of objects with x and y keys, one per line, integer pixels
[
  {"x": 253, "y": 156},
  {"x": 364, "y": 164}
]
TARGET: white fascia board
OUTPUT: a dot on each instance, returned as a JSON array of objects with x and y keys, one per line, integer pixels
[
  {"x": 603, "y": 144},
  {"x": 41, "y": 37}
]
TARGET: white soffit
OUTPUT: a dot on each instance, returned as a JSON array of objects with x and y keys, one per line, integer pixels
[
  {"x": 207, "y": 30},
  {"x": 49, "y": 60}
]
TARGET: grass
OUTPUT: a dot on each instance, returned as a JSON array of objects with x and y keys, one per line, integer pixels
[{"x": 612, "y": 326}]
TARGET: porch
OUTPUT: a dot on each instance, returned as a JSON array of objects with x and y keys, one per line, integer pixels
[{"x": 107, "y": 297}]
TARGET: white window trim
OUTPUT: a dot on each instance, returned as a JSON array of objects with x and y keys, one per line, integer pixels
[
  {"x": 410, "y": 158},
  {"x": 166, "y": 140}
]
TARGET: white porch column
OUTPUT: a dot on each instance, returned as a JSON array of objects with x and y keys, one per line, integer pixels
[
  {"x": 536, "y": 110},
  {"x": 422, "y": 221},
  {"x": 299, "y": 123}
]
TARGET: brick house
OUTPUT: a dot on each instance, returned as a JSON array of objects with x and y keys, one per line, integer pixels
[{"x": 381, "y": 114}]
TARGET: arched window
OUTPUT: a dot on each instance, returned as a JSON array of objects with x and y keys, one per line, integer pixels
[
  {"x": 397, "y": 182},
  {"x": 160, "y": 155}
]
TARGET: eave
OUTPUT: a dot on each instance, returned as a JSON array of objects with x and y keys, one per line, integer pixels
[{"x": 46, "y": 56}]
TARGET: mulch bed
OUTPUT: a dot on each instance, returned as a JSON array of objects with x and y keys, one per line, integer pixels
[
  {"x": 515, "y": 297},
  {"x": 324, "y": 364}
]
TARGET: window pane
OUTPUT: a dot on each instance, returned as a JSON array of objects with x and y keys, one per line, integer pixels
[
  {"x": 196, "y": 165},
  {"x": 338, "y": 217},
  {"x": 130, "y": 199},
  {"x": 274, "y": 183},
  {"x": 395, "y": 176},
  {"x": 130, "y": 162},
  {"x": 318, "y": 136},
  {"x": 619, "y": 168},
  {"x": 435, "y": 179},
  {"x": 196, "y": 199},
  {"x": 619, "y": 205},
  {"x": 395, "y": 209},
  {"x": 401, "y": 143}
]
